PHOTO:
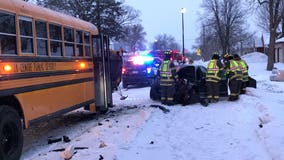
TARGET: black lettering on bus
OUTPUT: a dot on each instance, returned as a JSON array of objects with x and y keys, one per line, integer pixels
[
  {"x": 38, "y": 67},
  {"x": 50, "y": 66},
  {"x": 16, "y": 68},
  {"x": 26, "y": 67}
]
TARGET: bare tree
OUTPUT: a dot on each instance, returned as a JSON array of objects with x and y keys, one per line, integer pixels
[
  {"x": 208, "y": 42},
  {"x": 132, "y": 16},
  {"x": 134, "y": 38},
  {"x": 165, "y": 42},
  {"x": 270, "y": 15},
  {"x": 223, "y": 25}
]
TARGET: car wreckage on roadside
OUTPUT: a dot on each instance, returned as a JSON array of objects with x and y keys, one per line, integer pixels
[{"x": 190, "y": 86}]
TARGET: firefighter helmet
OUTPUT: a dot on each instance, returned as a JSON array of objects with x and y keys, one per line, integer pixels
[{"x": 167, "y": 54}]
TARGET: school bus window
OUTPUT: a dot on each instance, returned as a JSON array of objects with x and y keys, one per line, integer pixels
[
  {"x": 8, "y": 44},
  {"x": 69, "y": 41},
  {"x": 55, "y": 40},
  {"x": 41, "y": 38},
  {"x": 79, "y": 43},
  {"x": 7, "y": 34},
  {"x": 26, "y": 34},
  {"x": 87, "y": 44},
  {"x": 7, "y": 23}
]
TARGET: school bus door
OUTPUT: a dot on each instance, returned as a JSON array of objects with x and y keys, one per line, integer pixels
[{"x": 101, "y": 59}]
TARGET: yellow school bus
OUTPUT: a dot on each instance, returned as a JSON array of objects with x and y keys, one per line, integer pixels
[{"x": 50, "y": 64}]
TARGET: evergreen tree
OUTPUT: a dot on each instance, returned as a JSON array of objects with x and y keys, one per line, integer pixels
[{"x": 109, "y": 16}]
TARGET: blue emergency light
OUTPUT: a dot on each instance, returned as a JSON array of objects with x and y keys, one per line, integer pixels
[{"x": 141, "y": 60}]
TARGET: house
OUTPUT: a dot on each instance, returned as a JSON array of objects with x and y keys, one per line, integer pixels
[{"x": 279, "y": 50}]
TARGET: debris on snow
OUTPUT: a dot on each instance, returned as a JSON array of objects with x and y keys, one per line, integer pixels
[
  {"x": 101, "y": 157},
  {"x": 132, "y": 107},
  {"x": 62, "y": 149},
  {"x": 228, "y": 123},
  {"x": 165, "y": 110},
  {"x": 57, "y": 150},
  {"x": 197, "y": 128},
  {"x": 53, "y": 140},
  {"x": 102, "y": 145},
  {"x": 123, "y": 97},
  {"x": 68, "y": 153},
  {"x": 66, "y": 139}
]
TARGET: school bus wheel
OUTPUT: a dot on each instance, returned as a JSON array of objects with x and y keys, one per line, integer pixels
[
  {"x": 103, "y": 111},
  {"x": 11, "y": 134}
]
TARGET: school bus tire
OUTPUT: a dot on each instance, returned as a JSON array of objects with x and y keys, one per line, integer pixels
[
  {"x": 103, "y": 111},
  {"x": 11, "y": 134}
]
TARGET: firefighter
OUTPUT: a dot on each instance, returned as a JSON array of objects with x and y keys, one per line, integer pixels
[
  {"x": 213, "y": 78},
  {"x": 244, "y": 68},
  {"x": 234, "y": 75},
  {"x": 167, "y": 79}
]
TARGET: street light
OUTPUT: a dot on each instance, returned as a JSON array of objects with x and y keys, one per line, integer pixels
[{"x": 183, "y": 10}]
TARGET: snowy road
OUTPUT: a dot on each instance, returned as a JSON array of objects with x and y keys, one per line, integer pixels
[
  {"x": 133, "y": 130},
  {"x": 225, "y": 130},
  {"x": 195, "y": 132}
]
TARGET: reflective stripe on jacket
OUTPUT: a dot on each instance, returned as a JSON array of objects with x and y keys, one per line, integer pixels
[
  {"x": 235, "y": 70},
  {"x": 165, "y": 70},
  {"x": 213, "y": 71},
  {"x": 244, "y": 67}
]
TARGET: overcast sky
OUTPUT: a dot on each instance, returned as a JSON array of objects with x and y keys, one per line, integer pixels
[{"x": 164, "y": 16}]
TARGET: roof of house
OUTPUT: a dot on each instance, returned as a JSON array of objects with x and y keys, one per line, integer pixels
[{"x": 280, "y": 40}]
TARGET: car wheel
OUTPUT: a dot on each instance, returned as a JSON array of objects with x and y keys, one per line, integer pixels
[
  {"x": 204, "y": 102},
  {"x": 11, "y": 134}
]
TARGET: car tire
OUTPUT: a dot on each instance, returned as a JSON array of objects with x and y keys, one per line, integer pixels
[
  {"x": 11, "y": 134},
  {"x": 204, "y": 102}
]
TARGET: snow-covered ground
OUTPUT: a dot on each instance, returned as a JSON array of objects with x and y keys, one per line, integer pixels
[{"x": 251, "y": 128}]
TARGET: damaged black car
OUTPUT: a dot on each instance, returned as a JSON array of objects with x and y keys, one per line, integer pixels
[{"x": 190, "y": 86}]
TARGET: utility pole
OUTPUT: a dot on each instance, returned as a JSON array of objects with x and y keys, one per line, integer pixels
[
  {"x": 183, "y": 10},
  {"x": 99, "y": 15},
  {"x": 203, "y": 37}
]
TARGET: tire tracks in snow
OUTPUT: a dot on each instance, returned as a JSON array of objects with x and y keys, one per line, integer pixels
[{"x": 264, "y": 116}]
